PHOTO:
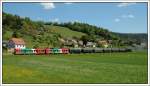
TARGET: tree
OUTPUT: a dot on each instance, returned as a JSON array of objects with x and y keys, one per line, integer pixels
[
  {"x": 49, "y": 41},
  {"x": 36, "y": 45},
  {"x": 85, "y": 39},
  {"x": 16, "y": 34}
]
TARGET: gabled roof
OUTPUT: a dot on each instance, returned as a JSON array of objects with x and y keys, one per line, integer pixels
[{"x": 18, "y": 41}]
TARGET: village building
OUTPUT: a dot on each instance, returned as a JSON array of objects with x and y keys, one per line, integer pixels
[
  {"x": 69, "y": 42},
  {"x": 91, "y": 44},
  {"x": 103, "y": 43},
  {"x": 143, "y": 44},
  {"x": 15, "y": 43},
  {"x": 80, "y": 43},
  {"x": 61, "y": 40}
]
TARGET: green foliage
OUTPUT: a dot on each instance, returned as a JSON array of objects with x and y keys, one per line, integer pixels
[
  {"x": 4, "y": 49},
  {"x": 36, "y": 46},
  {"x": 64, "y": 32},
  {"x": 7, "y": 34},
  {"x": 35, "y": 33},
  {"x": 88, "y": 29},
  {"x": 38, "y": 32},
  {"x": 134, "y": 37},
  {"x": 16, "y": 34},
  {"x": 85, "y": 39}
]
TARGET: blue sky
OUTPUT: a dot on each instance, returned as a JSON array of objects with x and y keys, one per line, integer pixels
[{"x": 116, "y": 17}]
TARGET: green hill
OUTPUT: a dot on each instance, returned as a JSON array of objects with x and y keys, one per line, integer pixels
[
  {"x": 35, "y": 33},
  {"x": 65, "y": 32},
  {"x": 47, "y": 34}
]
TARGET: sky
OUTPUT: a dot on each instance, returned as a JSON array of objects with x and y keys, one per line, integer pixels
[{"x": 117, "y": 17}]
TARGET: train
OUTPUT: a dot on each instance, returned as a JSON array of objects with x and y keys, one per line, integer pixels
[{"x": 48, "y": 51}]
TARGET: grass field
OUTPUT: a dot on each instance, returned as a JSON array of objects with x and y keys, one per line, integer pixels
[
  {"x": 76, "y": 68},
  {"x": 65, "y": 32}
]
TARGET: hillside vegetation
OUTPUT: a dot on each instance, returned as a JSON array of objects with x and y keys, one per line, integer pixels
[
  {"x": 35, "y": 33},
  {"x": 47, "y": 34},
  {"x": 65, "y": 32}
]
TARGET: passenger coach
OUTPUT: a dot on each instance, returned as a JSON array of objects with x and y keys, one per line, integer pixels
[{"x": 48, "y": 51}]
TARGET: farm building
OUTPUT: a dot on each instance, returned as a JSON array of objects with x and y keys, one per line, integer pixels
[
  {"x": 15, "y": 43},
  {"x": 70, "y": 42},
  {"x": 103, "y": 43},
  {"x": 91, "y": 44},
  {"x": 61, "y": 40},
  {"x": 80, "y": 43}
]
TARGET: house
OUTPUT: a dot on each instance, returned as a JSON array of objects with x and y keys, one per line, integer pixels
[
  {"x": 144, "y": 44},
  {"x": 15, "y": 43},
  {"x": 75, "y": 43},
  {"x": 103, "y": 43},
  {"x": 80, "y": 43},
  {"x": 61, "y": 40},
  {"x": 91, "y": 44},
  {"x": 141, "y": 46},
  {"x": 69, "y": 42}
]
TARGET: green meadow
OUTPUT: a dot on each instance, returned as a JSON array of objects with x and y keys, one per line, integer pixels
[{"x": 99, "y": 68}]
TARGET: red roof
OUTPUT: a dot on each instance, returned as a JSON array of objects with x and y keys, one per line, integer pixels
[{"x": 18, "y": 41}]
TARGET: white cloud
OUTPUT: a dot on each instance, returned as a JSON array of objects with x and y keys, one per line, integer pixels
[
  {"x": 117, "y": 20},
  {"x": 39, "y": 19},
  {"x": 77, "y": 21},
  {"x": 128, "y": 16},
  {"x": 48, "y": 5},
  {"x": 125, "y": 4},
  {"x": 68, "y": 3},
  {"x": 55, "y": 20},
  {"x": 125, "y": 16}
]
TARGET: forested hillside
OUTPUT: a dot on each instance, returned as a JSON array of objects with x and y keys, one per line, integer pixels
[
  {"x": 91, "y": 30},
  {"x": 47, "y": 34},
  {"x": 102, "y": 33},
  {"x": 141, "y": 37}
]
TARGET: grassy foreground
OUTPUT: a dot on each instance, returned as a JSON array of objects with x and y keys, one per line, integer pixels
[{"x": 76, "y": 68}]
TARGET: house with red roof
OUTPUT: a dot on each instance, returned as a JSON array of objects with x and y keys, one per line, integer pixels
[{"x": 15, "y": 43}]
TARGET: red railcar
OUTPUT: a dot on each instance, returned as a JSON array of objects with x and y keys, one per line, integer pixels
[
  {"x": 40, "y": 51},
  {"x": 48, "y": 51},
  {"x": 17, "y": 51},
  {"x": 65, "y": 50}
]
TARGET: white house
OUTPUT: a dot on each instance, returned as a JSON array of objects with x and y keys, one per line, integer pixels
[
  {"x": 16, "y": 43},
  {"x": 91, "y": 44}
]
